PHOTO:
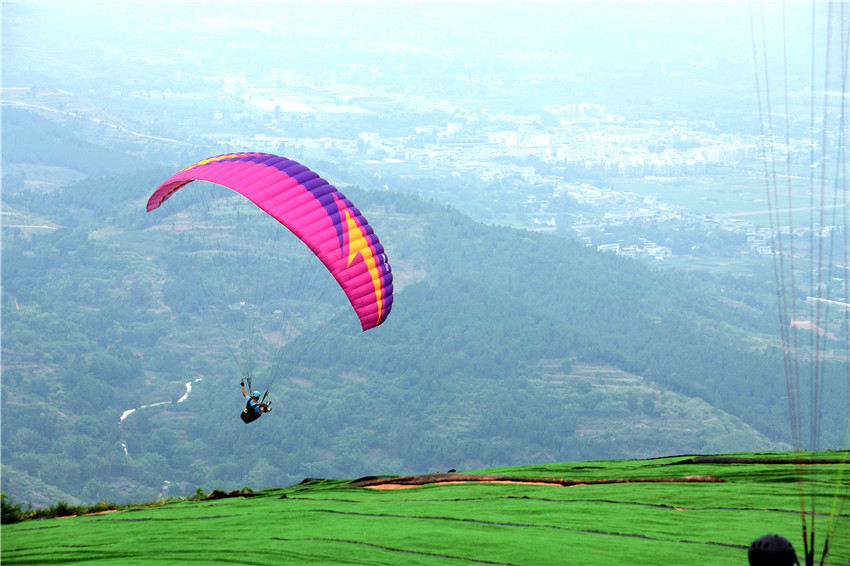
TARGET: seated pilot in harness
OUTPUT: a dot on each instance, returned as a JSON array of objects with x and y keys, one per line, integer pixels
[{"x": 254, "y": 408}]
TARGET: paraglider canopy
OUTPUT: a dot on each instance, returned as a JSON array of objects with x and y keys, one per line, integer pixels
[{"x": 312, "y": 209}]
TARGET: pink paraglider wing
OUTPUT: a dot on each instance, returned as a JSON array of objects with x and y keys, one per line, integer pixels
[{"x": 315, "y": 211}]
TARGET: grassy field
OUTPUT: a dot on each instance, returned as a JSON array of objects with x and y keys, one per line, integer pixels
[
  {"x": 335, "y": 522},
  {"x": 734, "y": 194}
]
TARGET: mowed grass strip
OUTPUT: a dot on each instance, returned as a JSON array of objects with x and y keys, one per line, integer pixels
[{"x": 330, "y": 522}]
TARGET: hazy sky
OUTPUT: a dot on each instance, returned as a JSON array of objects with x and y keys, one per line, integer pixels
[{"x": 644, "y": 60}]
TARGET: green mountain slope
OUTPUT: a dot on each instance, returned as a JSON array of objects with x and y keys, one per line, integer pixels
[
  {"x": 613, "y": 510},
  {"x": 488, "y": 357},
  {"x": 31, "y": 139}
]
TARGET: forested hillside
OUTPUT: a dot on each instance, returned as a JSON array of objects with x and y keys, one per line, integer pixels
[
  {"x": 30, "y": 138},
  {"x": 502, "y": 345}
]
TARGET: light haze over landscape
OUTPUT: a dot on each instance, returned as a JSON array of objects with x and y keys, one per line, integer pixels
[{"x": 634, "y": 128}]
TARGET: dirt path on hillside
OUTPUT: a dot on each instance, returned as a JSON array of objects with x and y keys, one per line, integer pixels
[{"x": 403, "y": 482}]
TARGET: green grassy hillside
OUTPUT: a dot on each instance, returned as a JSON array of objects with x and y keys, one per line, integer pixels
[{"x": 636, "y": 520}]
